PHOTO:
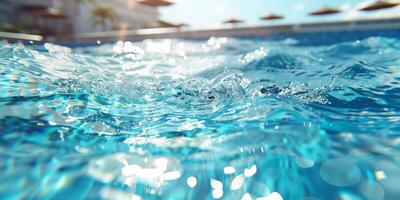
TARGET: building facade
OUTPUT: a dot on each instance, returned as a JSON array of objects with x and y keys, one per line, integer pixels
[
  {"x": 130, "y": 15},
  {"x": 77, "y": 16}
]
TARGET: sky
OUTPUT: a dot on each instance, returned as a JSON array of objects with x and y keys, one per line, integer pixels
[{"x": 210, "y": 13}]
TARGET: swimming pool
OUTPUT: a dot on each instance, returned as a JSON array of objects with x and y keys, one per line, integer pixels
[{"x": 293, "y": 117}]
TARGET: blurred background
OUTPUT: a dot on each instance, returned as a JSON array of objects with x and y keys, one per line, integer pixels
[{"x": 69, "y": 17}]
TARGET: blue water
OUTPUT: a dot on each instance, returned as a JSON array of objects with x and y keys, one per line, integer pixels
[{"x": 222, "y": 118}]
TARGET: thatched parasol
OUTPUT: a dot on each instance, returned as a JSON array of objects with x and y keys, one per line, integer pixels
[
  {"x": 233, "y": 21},
  {"x": 326, "y": 11},
  {"x": 155, "y": 3},
  {"x": 380, "y": 4},
  {"x": 272, "y": 17}
]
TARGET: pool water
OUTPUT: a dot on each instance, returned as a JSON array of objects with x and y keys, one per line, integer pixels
[{"x": 220, "y": 118}]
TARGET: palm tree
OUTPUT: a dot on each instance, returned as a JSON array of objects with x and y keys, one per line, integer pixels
[{"x": 103, "y": 14}]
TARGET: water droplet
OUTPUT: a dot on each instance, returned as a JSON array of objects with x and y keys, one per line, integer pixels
[
  {"x": 173, "y": 175},
  {"x": 246, "y": 196},
  {"x": 272, "y": 196},
  {"x": 340, "y": 172},
  {"x": 216, "y": 184},
  {"x": 304, "y": 162},
  {"x": 371, "y": 190},
  {"x": 217, "y": 193},
  {"x": 191, "y": 181},
  {"x": 229, "y": 170},
  {"x": 251, "y": 171},
  {"x": 237, "y": 182}
]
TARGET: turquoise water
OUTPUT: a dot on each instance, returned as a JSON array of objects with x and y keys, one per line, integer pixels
[{"x": 222, "y": 118}]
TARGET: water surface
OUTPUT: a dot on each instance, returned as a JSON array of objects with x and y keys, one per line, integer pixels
[{"x": 222, "y": 118}]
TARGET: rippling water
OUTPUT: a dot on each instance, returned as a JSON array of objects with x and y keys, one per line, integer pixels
[{"x": 222, "y": 118}]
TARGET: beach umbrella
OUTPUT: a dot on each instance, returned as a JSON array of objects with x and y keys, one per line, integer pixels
[
  {"x": 325, "y": 11},
  {"x": 155, "y": 3},
  {"x": 271, "y": 17},
  {"x": 233, "y": 21},
  {"x": 182, "y": 25},
  {"x": 164, "y": 24},
  {"x": 380, "y": 4}
]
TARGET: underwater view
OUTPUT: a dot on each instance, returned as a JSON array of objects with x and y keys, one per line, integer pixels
[{"x": 219, "y": 118}]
